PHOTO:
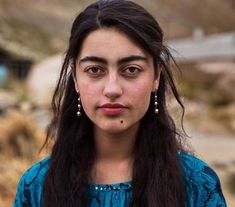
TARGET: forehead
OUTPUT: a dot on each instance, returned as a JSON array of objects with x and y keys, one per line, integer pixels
[{"x": 109, "y": 43}]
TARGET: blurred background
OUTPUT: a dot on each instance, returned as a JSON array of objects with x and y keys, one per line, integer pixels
[{"x": 33, "y": 40}]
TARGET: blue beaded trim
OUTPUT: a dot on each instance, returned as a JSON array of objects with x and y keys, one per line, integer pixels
[{"x": 110, "y": 187}]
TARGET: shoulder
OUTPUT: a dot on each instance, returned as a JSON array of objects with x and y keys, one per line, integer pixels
[
  {"x": 30, "y": 185},
  {"x": 194, "y": 168},
  {"x": 36, "y": 172},
  {"x": 202, "y": 182}
]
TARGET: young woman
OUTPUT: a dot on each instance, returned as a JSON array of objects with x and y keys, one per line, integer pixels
[{"x": 115, "y": 142}]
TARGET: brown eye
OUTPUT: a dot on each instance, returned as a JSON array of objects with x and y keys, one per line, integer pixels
[
  {"x": 131, "y": 70},
  {"x": 94, "y": 70}
]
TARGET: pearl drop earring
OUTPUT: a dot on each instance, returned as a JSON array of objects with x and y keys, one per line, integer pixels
[
  {"x": 79, "y": 106},
  {"x": 156, "y": 111}
]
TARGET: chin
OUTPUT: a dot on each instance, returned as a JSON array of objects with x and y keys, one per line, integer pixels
[{"x": 113, "y": 128}]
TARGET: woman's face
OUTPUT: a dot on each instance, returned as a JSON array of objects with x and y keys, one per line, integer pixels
[{"x": 115, "y": 78}]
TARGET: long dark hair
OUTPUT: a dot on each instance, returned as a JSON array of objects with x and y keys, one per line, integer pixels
[{"x": 157, "y": 178}]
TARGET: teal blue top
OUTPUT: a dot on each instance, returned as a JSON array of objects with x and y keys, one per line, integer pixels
[{"x": 202, "y": 184}]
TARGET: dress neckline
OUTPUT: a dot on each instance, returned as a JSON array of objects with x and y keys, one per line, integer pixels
[{"x": 110, "y": 187}]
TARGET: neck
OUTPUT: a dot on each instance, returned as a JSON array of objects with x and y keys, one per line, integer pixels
[
  {"x": 115, "y": 147},
  {"x": 115, "y": 153}
]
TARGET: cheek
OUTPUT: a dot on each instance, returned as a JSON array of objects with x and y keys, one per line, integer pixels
[
  {"x": 141, "y": 95},
  {"x": 87, "y": 93}
]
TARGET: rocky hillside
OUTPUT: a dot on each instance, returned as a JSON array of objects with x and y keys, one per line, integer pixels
[{"x": 36, "y": 29}]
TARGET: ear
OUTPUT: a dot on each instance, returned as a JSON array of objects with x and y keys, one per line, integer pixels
[
  {"x": 157, "y": 76},
  {"x": 73, "y": 72}
]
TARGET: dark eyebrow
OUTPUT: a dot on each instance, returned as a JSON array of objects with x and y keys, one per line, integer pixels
[
  {"x": 120, "y": 61},
  {"x": 131, "y": 58},
  {"x": 92, "y": 59}
]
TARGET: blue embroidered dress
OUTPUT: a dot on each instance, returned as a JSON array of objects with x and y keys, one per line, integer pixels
[{"x": 202, "y": 184}]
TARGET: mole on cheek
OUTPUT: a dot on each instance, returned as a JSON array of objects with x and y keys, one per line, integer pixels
[{"x": 121, "y": 121}]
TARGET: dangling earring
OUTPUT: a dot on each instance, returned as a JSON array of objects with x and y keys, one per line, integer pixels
[
  {"x": 79, "y": 106},
  {"x": 155, "y": 103}
]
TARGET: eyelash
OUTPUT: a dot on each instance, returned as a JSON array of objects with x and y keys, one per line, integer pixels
[
  {"x": 89, "y": 70},
  {"x": 137, "y": 70}
]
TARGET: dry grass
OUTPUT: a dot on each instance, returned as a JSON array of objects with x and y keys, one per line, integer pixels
[
  {"x": 209, "y": 105},
  {"x": 20, "y": 141},
  {"x": 10, "y": 172},
  {"x": 19, "y": 136}
]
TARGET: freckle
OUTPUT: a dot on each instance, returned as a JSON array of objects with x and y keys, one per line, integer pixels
[{"x": 121, "y": 121}]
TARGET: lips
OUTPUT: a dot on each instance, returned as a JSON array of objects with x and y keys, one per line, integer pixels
[
  {"x": 112, "y": 109},
  {"x": 112, "y": 105}
]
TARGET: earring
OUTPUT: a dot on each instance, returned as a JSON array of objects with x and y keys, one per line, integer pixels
[
  {"x": 155, "y": 103},
  {"x": 79, "y": 106}
]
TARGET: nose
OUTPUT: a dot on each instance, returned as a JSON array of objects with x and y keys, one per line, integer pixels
[{"x": 112, "y": 88}]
